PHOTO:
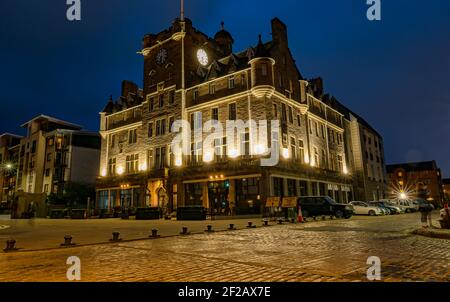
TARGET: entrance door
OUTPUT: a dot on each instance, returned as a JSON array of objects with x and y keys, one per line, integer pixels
[{"x": 218, "y": 197}]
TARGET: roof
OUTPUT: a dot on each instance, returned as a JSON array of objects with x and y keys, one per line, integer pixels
[
  {"x": 411, "y": 167},
  {"x": 10, "y": 134},
  {"x": 347, "y": 113},
  {"x": 53, "y": 120}
]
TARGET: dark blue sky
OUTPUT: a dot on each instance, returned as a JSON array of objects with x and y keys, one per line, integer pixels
[{"x": 395, "y": 73}]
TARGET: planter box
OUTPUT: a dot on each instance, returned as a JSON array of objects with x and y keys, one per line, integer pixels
[
  {"x": 147, "y": 214},
  {"x": 191, "y": 213},
  {"x": 57, "y": 214},
  {"x": 78, "y": 214}
]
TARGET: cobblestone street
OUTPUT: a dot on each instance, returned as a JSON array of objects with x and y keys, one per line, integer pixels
[{"x": 334, "y": 250}]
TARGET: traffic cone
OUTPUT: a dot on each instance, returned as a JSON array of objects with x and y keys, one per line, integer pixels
[{"x": 300, "y": 215}]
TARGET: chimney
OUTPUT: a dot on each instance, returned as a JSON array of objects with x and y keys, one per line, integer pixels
[{"x": 279, "y": 32}]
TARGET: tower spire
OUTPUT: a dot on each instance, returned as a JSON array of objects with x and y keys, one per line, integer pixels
[{"x": 182, "y": 10}]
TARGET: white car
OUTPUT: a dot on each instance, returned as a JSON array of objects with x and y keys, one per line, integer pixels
[{"x": 362, "y": 208}]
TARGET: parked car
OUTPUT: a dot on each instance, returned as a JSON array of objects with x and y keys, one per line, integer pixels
[
  {"x": 392, "y": 204},
  {"x": 407, "y": 205},
  {"x": 324, "y": 206},
  {"x": 393, "y": 210},
  {"x": 362, "y": 208}
]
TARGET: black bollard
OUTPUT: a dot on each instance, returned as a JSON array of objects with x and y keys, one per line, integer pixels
[
  {"x": 67, "y": 241},
  {"x": 266, "y": 223},
  {"x": 250, "y": 225},
  {"x": 209, "y": 229},
  {"x": 231, "y": 228},
  {"x": 10, "y": 246},
  {"x": 280, "y": 221},
  {"x": 184, "y": 231},
  {"x": 154, "y": 234},
  {"x": 115, "y": 237}
]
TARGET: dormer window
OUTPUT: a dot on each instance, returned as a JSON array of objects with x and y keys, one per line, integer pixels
[
  {"x": 195, "y": 94},
  {"x": 212, "y": 88},
  {"x": 231, "y": 82}
]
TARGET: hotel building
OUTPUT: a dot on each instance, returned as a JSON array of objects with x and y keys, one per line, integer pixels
[{"x": 192, "y": 77}]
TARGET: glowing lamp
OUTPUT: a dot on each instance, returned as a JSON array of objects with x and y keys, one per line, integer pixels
[
  {"x": 285, "y": 153},
  {"x": 120, "y": 170}
]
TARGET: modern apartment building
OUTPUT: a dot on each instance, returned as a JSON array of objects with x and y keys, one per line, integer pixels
[{"x": 54, "y": 153}]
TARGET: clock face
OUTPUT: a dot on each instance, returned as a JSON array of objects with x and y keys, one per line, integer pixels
[
  {"x": 161, "y": 57},
  {"x": 202, "y": 57}
]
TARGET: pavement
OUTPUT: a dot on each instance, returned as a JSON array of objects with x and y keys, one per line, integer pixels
[{"x": 322, "y": 251}]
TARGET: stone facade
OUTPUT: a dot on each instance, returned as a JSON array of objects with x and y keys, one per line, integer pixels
[{"x": 186, "y": 74}]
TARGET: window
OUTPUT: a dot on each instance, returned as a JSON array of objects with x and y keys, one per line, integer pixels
[
  {"x": 47, "y": 172},
  {"x": 132, "y": 136},
  {"x": 46, "y": 188},
  {"x": 161, "y": 101},
  {"x": 150, "y": 130},
  {"x": 316, "y": 157},
  {"x": 220, "y": 148},
  {"x": 132, "y": 163},
  {"x": 112, "y": 166},
  {"x": 195, "y": 94},
  {"x": 292, "y": 187},
  {"x": 231, "y": 82},
  {"x": 158, "y": 128},
  {"x": 340, "y": 163},
  {"x": 212, "y": 88},
  {"x": 245, "y": 144},
  {"x": 322, "y": 126},
  {"x": 150, "y": 158},
  {"x": 33, "y": 146},
  {"x": 310, "y": 127},
  {"x": 160, "y": 158},
  {"x": 172, "y": 97},
  {"x": 283, "y": 113},
  {"x": 171, "y": 121},
  {"x": 243, "y": 82},
  {"x": 232, "y": 112},
  {"x": 324, "y": 159},
  {"x": 215, "y": 114},
  {"x": 294, "y": 148},
  {"x": 301, "y": 151},
  {"x": 317, "y": 128},
  {"x": 264, "y": 70},
  {"x": 151, "y": 104},
  {"x": 291, "y": 115},
  {"x": 49, "y": 156},
  {"x": 299, "y": 121},
  {"x": 275, "y": 110},
  {"x": 161, "y": 127},
  {"x": 113, "y": 141}
]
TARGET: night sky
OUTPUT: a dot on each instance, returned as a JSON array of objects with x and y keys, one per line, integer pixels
[{"x": 395, "y": 73}]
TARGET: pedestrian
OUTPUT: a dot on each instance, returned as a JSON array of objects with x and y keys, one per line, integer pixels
[{"x": 426, "y": 217}]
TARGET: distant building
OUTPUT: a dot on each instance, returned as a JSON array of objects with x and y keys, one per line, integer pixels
[
  {"x": 54, "y": 153},
  {"x": 9, "y": 155},
  {"x": 446, "y": 189},
  {"x": 416, "y": 180}
]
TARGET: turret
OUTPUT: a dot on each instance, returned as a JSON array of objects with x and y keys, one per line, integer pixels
[{"x": 262, "y": 72}]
